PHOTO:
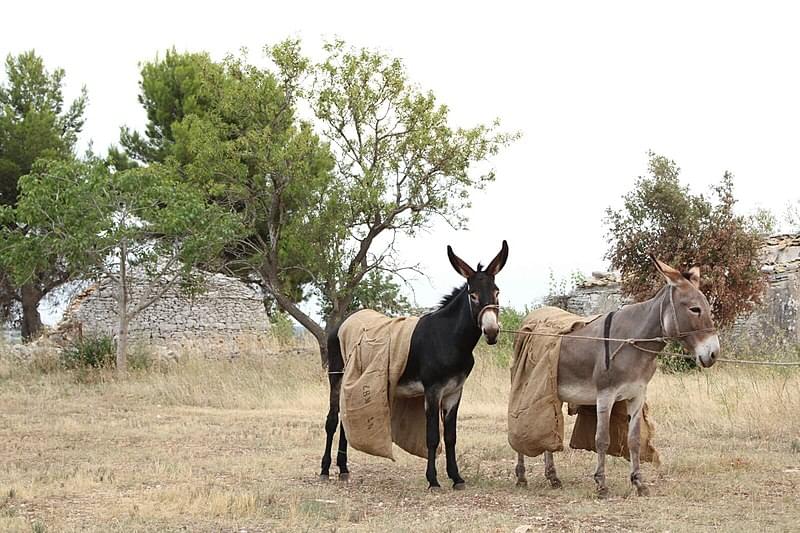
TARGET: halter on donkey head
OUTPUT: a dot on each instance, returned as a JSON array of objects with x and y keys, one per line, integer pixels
[{"x": 482, "y": 293}]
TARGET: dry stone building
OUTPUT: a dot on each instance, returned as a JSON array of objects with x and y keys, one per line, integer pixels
[{"x": 227, "y": 311}]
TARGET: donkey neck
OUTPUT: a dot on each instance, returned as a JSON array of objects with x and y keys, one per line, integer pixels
[
  {"x": 457, "y": 316},
  {"x": 641, "y": 320}
]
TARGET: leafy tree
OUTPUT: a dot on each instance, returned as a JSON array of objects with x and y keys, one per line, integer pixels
[
  {"x": 323, "y": 198},
  {"x": 141, "y": 224},
  {"x": 34, "y": 124},
  {"x": 170, "y": 89},
  {"x": 663, "y": 217}
]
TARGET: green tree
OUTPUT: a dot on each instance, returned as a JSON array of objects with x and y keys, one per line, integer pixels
[
  {"x": 323, "y": 198},
  {"x": 661, "y": 216},
  {"x": 170, "y": 89},
  {"x": 143, "y": 225},
  {"x": 34, "y": 124}
]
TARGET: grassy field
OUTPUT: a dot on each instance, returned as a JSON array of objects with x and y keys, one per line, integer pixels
[{"x": 204, "y": 445}]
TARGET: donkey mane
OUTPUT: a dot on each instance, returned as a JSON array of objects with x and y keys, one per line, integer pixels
[
  {"x": 450, "y": 297},
  {"x": 455, "y": 292}
]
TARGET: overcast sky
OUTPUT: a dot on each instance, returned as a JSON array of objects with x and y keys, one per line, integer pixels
[{"x": 592, "y": 87}]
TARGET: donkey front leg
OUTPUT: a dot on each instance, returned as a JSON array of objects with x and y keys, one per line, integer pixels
[
  {"x": 634, "y": 434},
  {"x": 450, "y": 405},
  {"x": 432, "y": 399},
  {"x": 605, "y": 402}
]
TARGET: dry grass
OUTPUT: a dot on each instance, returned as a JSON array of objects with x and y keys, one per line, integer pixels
[{"x": 209, "y": 445}]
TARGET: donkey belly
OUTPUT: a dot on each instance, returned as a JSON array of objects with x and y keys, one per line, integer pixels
[
  {"x": 409, "y": 389},
  {"x": 577, "y": 393},
  {"x": 586, "y": 394}
]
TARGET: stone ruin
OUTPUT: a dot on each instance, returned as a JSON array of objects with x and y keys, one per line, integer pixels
[
  {"x": 778, "y": 314},
  {"x": 777, "y": 317},
  {"x": 597, "y": 294},
  {"x": 226, "y": 313}
]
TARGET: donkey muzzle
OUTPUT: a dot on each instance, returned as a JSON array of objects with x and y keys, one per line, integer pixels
[{"x": 490, "y": 326}]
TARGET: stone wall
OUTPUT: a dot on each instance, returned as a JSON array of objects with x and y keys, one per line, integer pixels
[
  {"x": 227, "y": 309},
  {"x": 778, "y": 317},
  {"x": 598, "y": 294},
  {"x": 778, "y": 314}
]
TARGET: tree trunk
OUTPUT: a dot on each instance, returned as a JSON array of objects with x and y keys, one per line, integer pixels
[
  {"x": 122, "y": 343},
  {"x": 122, "y": 310},
  {"x": 31, "y": 320}
]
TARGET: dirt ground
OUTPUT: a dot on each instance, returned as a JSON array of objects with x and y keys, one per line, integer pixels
[{"x": 204, "y": 445}]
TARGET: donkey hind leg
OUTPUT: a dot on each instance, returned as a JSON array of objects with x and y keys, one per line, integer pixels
[
  {"x": 519, "y": 470},
  {"x": 605, "y": 402},
  {"x": 450, "y": 415},
  {"x": 432, "y": 400},
  {"x": 634, "y": 433},
  {"x": 335, "y": 375},
  {"x": 550, "y": 470},
  {"x": 330, "y": 426},
  {"x": 341, "y": 456}
]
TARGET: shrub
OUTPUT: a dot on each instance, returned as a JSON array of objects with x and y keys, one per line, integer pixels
[
  {"x": 140, "y": 358},
  {"x": 661, "y": 216},
  {"x": 510, "y": 319},
  {"x": 282, "y": 328},
  {"x": 89, "y": 352}
]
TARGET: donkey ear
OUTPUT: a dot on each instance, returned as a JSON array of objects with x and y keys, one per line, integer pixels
[
  {"x": 499, "y": 261},
  {"x": 461, "y": 267},
  {"x": 672, "y": 276},
  {"x": 693, "y": 275}
]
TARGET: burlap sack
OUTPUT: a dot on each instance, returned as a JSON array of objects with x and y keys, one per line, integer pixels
[{"x": 375, "y": 350}]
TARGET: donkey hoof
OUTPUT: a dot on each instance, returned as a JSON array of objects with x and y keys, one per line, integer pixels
[
  {"x": 324, "y": 477},
  {"x": 602, "y": 493},
  {"x": 344, "y": 476},
  {"x": 642, "y": 490},
  {"x": 555, "y": 483},
  {"x": 435, "y": 489},
  {"x": 522, "y": 483},
  {"x": 459, "y": 485}
]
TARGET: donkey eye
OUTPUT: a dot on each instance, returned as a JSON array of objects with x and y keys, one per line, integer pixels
[
  {"x": 474, "y": 296},
  {"x": 695, "y": 310}
]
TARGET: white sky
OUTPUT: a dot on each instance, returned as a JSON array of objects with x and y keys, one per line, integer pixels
[{"x": 591, "y": 86}]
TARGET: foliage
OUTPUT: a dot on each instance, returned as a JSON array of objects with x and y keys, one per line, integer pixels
[
  {"x": 170, "y": 89},
  {"x": 674, "y": 361},
  {"x": 510, "y": 319},
  {"x": 377, "y": 157},
  {"x": 143, "y": 223},
  {"x": 281, "y": 328},
  {"x": 558, "y": 290},
  {"x": 663, "y": 217},
  {"x": 35, "y": 123},
  {"x": 89, "y": 352},
  {"x": 763, "y": 221},
  {"x": 140, "y": 358},
  {"x": 377, "y": 291}
]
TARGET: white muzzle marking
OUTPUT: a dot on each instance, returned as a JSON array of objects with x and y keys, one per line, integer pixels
[
  {"x": 707, "y": 351},
  {"x": 489, "y": 325}
]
